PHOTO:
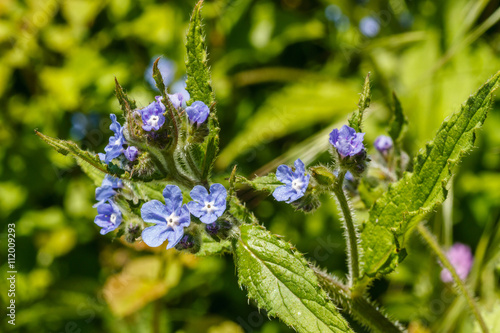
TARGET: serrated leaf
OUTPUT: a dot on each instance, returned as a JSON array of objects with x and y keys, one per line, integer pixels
[
  {"x": 281, "y": 281},
  {"x": 126, "y": 104},
  {"x": 356, "y": 119},
  {"x": 198, "y": 82},
  {"x": 406, "y": 202},
  {"x": 68, "y": 147},
  {"x": 398, "y": 121}
]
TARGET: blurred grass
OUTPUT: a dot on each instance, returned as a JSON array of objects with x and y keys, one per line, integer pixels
[{"x": 285, "y": 72}]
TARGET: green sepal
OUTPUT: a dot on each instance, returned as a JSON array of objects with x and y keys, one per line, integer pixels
[
  {"x": 267, "y": 183},
  {"x": 280, "y": 280},
  {"x": 323, "y": 175}
]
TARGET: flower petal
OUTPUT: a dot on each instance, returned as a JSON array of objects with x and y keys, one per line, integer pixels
[
  {"x": 184, "y": 217},
  {"x": 199, "y": 193},
  {"x": 154, "y": 212},
  {"x": 218, "y": 193},
  {"x": 196, "y": 208},
  {"x": 173, "y": 197},
  {"x": 299, "y": 166},
  {"x": 283, "y": 193},
  {"x": 284, "y": 174},
  {"x": 174, "y": 237},
  {"x": 155, "y": 236}
]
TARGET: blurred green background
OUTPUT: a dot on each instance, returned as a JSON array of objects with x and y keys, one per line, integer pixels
[{"x": 284, "y": 73}]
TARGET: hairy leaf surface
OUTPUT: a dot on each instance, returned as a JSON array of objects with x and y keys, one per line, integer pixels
[
  {"x": 420, "y": 192},
  {"x": 198, "y": 82},
  {"x": 281, "y": 281}
]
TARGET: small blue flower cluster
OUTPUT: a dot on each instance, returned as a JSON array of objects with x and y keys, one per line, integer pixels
[
  {"x": 346, "y": 141},
  {"x": 153, "y": 119},
  {"x": 109, "y": 215},
  {"x": 173, "y": 217}
]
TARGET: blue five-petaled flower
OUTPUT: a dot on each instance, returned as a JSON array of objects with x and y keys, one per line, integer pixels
[
  {"x": 208, "y": 207},
  {"x": 116, "y": 142},
  {"x": 170, "y": 218},
  {"x": 109, "y": 217},
  {"x": 152, "y": 115},
  {"x": 197, "y": 113},
  {"x": 347, "y": 141},
  {"x": 107, "y": 189},
  {"x": 296, "y": 182}
]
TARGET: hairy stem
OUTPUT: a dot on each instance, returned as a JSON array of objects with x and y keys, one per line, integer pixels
[
  {"x": 352, "y": 236},
  {"x": 434, "y": 246},
  {"x": 359, "y": 307}
]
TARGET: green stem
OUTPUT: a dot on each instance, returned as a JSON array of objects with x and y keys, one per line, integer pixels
[
  {"x": 352, "y": 236},
  {"x": 359, "y": 307},
  {"x": 433, "y": 244}
]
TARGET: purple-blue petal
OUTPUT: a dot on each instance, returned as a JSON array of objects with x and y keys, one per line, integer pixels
[
  {"x": 155, "y": 235},
  {"x": 218, "y": 193},
  {"x": 196, "y": 208},
  {"x": 131, "y": 153},
  {"x": 284, "y": 174},
  {"x": 173, "y": 197},
  {"x": 199, "y": 193},
  {"x": 174, "y": 237},
  {"x": 198, "y": 112},
  {"x": 299, "y": 166},
  {"x": 104, "y": 193},
  {"x": 155, "y": 212},
  {"x": 283, "y": 193}
]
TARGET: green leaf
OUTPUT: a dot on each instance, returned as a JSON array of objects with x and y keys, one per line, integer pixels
[
  {"x": 71, "y": 148},
  {"x": 211, "y": 150},
  {"x": 281, "y": 281},
  {"x": 406, "y": 202},
  {"x": 398, "y": 121},
  {"x": 356, "y": 119},
  {"x": 126, "y": 104},
  {"x": 96, "y": 170},
  {"x": 198, "y": 82}
]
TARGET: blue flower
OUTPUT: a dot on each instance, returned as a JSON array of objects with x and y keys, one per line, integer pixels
[
  {"x": 116, "y": 142},
  {"x": 109, "y": 217},
  {"x": 176, "y": 99},
  {"x": 179, "y": 86},
  {"x": 131, "y": 153},
  {"x": 208, "y": 207},
  {"x": 170, "y": 218},
  {"x": 295, "y": 182},
  {"x": 152, "y": 115},
  {"x": 383, "y": 144},
  {"x": 347, "y": 141},
  {"x": 107, "y": 189},
  {"x": 197, "y": 112}
]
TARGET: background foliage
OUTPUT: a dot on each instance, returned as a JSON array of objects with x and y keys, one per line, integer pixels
[{"x": 284, "y": 74}]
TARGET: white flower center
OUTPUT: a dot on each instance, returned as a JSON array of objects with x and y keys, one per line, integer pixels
[
  {"x": 209, "y": 207},
  {"x": 153, "y": 121},
  {"x": 172, "y": 221},
  {"x": 112, "y": 218},
  {"x": 297, "y": 184}
]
